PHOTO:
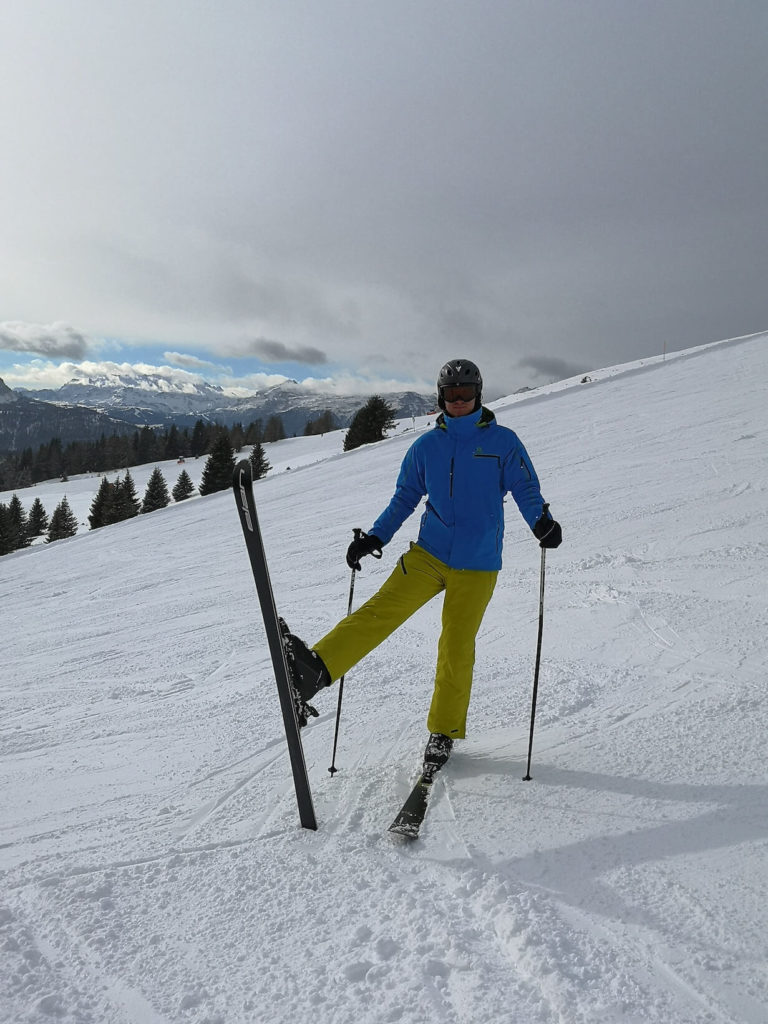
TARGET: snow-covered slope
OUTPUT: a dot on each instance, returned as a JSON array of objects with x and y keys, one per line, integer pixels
[{"x": 152, "y": 867}]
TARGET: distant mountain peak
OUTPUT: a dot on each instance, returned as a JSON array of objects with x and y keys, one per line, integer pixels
[
  {"x": 155, "y": 383},
  {"x": 159, "y": 400},
  {"x": 6, "y": 394}
]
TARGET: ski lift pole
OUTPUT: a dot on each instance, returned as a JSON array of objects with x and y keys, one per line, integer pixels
[
  {"x": 527, "y": 776},
  {"x": 333, "y": 769}
]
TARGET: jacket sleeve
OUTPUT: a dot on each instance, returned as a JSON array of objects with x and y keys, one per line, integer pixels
[
  {"x": 522, "y": 483},
  {"x": 409, "y": 491}
]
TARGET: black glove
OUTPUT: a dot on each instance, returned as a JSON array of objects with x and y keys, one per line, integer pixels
[
  {"x": 363, "y": 544},
  {"x": 547, "y": 532}
]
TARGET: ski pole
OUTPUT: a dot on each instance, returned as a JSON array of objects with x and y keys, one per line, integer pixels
[
  {"x": 527, "y": 776},
  {"x": 333, "y": 769}
]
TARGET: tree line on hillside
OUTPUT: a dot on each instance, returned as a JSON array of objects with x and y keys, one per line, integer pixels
[
  {"x": 117, "y": 500},
  {"x": 54, "y": 460},
  {"x": 122, "y": 451},
  {"x": 18, "y": 529}
]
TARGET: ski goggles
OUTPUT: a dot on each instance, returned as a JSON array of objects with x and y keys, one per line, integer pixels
[{"x": 459, "y": 392}]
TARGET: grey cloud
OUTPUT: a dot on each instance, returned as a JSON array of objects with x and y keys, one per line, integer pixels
[
  {"x": 551, "y": 368},
  {"x": 277, "y": 352},
  {"x": 53, "y": 340},
  {"x": 583, "y": 182},
  {"x": 189, "y": 362}
]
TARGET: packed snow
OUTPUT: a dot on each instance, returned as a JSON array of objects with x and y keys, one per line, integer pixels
[{"x": 153, "y": 868}]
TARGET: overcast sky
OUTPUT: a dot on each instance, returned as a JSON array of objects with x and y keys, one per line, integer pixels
[{"x": 340, "y": 188}]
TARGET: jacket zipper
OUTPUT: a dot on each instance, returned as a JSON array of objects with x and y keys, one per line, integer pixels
[{"x": 450, "y": 488}]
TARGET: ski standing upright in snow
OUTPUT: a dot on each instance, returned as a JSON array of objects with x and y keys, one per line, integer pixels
[{"x": 294, "y": 710}]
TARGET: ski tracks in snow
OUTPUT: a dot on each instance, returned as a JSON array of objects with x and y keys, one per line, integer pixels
[{"x": 48, "y": 967}]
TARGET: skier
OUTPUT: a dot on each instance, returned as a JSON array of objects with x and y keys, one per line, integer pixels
[{"x": 464, "y": 466}]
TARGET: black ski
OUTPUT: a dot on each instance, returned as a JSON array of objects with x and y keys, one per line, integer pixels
[
  {"x": 411, "y": 814},
  {"x": 242, "y": 484}
]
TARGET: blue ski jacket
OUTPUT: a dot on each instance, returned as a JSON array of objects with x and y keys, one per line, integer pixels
[{"x": 464, "y": 467}]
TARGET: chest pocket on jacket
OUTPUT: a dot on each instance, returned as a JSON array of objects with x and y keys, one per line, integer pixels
[{"x": 486, "y": 468}]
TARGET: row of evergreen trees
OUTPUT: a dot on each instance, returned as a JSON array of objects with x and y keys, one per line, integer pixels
[
  {"x": 117, "y": 500},
  {"x": 18, "y": 529},
  {"x": 117, "y": 452},
  {"x": 147, "y": 445}
]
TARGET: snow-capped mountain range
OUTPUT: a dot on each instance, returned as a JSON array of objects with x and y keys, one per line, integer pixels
[
  {"x": 27, "y": 423},
  {"x": 158, "y": 400}
]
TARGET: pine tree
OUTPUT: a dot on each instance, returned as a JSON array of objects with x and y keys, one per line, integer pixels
[
  {"x": 126, "y": 500},
  {"x": 254, "y": 432},
  {"x": 324, "y": 423},
  {"x": 259, "y": 462},
  {"x": 173, "y": 446},
  {"x": 63, "y": 522},
  {"x": 156, "y": 494},
  {"x": 100, "y": 511},
  {"x": 219, "y": 467},
  {"x": 237, "y": 436},
  {"x": 184, "y": 487},
  {"x": 38, "y": 519},
  {"x": 369, "y": 423},
  {"x": 7, "y": 541},
  {"x": 20, "y": 522},
  {"x": 54, "y": 459},
  {"x": 199, "y": 439},
  {"x": 274, "y": 430},
  {"x": 147, "y": 446}
]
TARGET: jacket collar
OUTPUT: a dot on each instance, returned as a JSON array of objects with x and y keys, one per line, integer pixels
[{"x": 459, "y": 426}]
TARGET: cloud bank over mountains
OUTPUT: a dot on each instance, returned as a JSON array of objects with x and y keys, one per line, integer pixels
[
  {"x": 58, "y": 340},
  {"x": 375, "y": 190}
]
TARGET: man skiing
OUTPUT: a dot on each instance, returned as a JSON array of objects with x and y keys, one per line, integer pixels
[{"x": 463, "y": 466}]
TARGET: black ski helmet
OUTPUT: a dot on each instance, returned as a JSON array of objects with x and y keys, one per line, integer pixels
[{"x": 459, "y": 371}]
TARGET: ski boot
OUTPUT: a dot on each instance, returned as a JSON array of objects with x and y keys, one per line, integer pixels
[
  {"x": 308, "y": 674},
  {"x": 437, "y": 752}
]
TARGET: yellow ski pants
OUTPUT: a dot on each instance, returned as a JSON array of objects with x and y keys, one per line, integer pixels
[{"x": 417, "y": 578}]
